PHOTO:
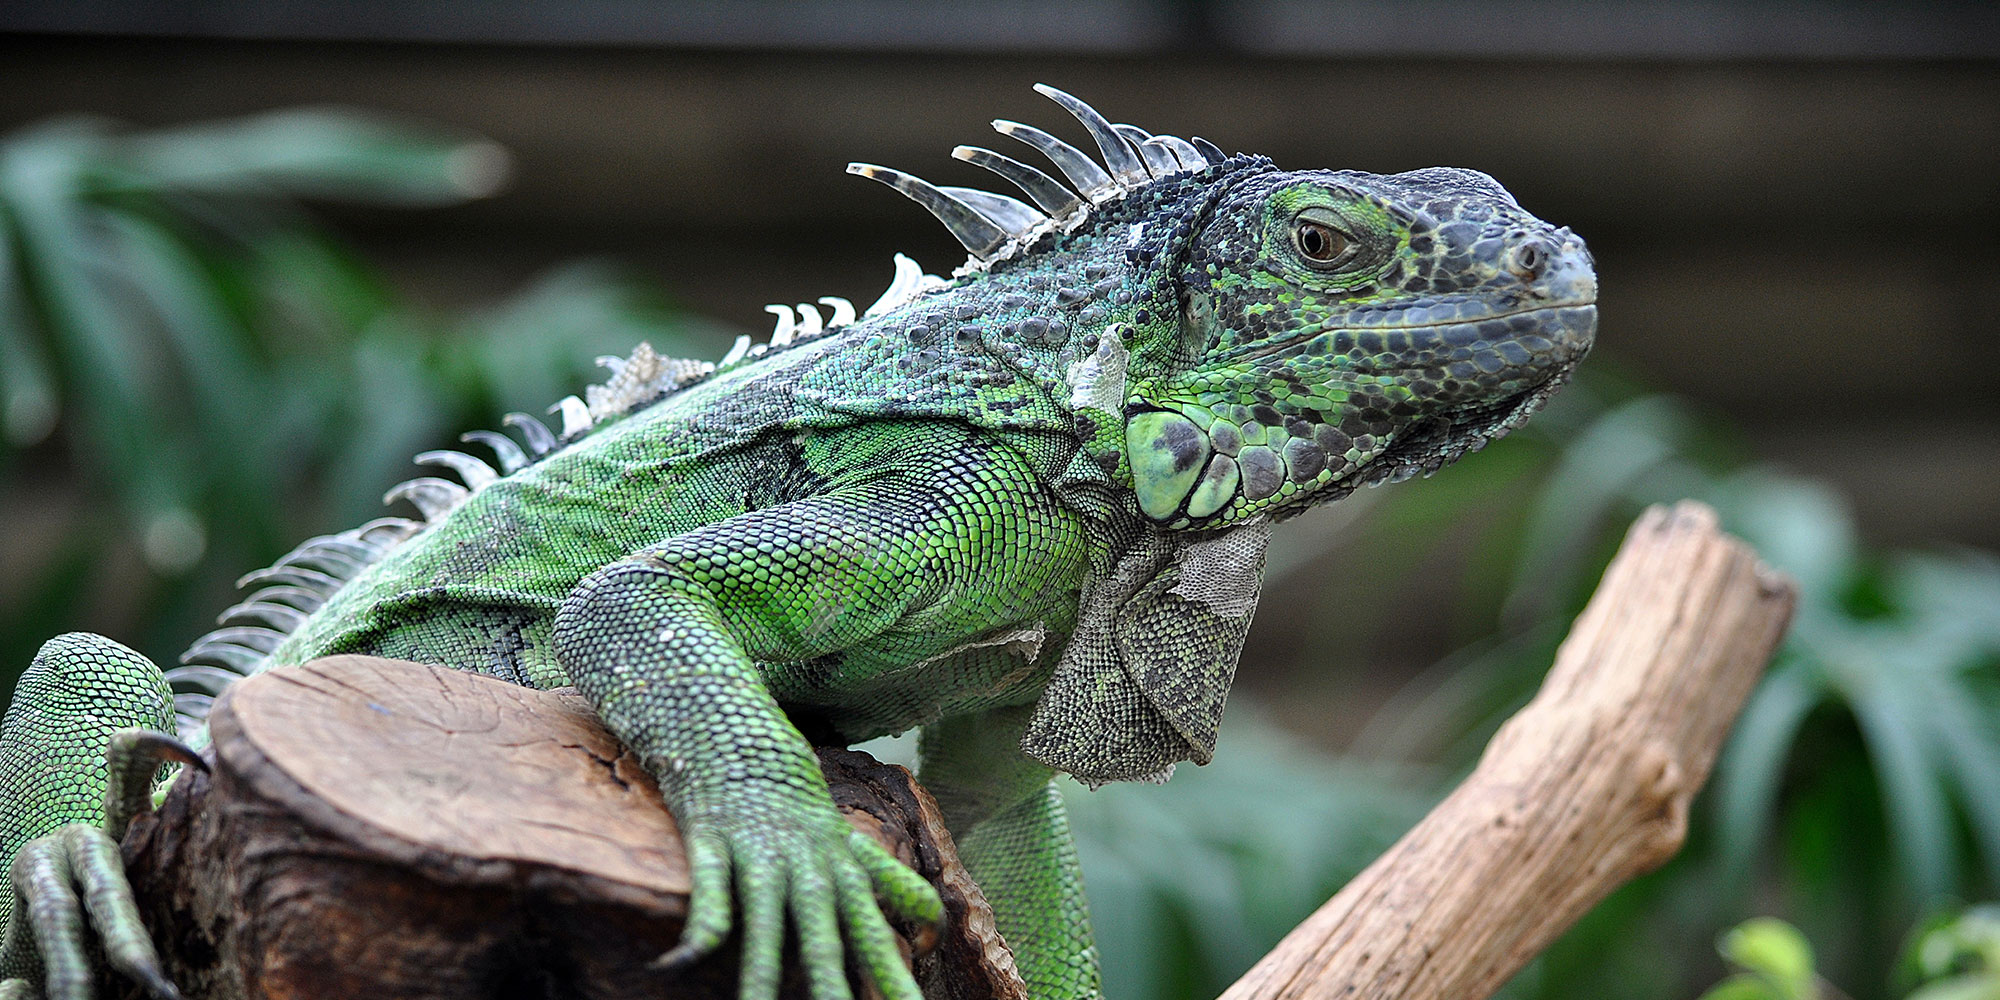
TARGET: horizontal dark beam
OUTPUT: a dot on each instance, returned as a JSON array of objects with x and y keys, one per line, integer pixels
[{"x": 1594, "y": 29}]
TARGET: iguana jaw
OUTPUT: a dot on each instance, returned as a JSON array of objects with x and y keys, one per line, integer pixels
[
  {"x": 1439, "y": 441},
  {"x": 1555, "y": 334},
  {"x": 1424, "y": 396}
]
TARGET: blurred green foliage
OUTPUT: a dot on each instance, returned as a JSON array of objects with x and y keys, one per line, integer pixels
[
  {"x": 212, "y": 377},
  {"x": 220, "y": 375},
  {"x": 1952, "y": 956},
  {"x": 1776, "y": 963},
  {"x": 1955, "y": 956},
  {"x": 1192, "y": 881}
]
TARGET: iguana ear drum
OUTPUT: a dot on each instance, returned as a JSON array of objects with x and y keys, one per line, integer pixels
[
  {"x": 1167, "y": 453},
  {"x": 1183, "y": 472}
]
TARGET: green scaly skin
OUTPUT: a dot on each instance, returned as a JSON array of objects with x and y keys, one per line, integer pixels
[{"x": 1025, "y": 509}]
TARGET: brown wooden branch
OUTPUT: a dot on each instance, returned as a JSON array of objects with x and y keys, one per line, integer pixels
[
  {"x": 375, "y": 828},
  {"x": 1582, "y": 790}
]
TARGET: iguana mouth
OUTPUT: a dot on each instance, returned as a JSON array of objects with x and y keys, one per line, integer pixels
[{"x": 1432, "y": 334}]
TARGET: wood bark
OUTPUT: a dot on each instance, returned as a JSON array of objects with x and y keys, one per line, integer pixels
[
  {"x": 375, "y": 828},
  {"x": 1585, "y": 788}
]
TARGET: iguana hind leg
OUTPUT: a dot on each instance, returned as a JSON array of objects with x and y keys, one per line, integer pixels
[{"x": 67, "y": 739}]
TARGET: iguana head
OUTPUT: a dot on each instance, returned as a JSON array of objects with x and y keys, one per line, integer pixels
[
  {"x": 1342, "y": 328},
  {"x": 1244, "y": 342},
  {"x": 1231, "y": 342}
]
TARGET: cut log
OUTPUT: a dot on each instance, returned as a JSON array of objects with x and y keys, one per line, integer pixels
[
  {"x": 374, "y": 828},
  {"x": 1582, "y": 790}
]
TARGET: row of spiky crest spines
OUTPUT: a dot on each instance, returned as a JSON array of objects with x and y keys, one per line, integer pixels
[{"x": 992, "y": 227}]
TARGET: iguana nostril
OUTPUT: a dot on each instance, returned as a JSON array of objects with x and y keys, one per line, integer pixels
[{"x": 1529, "y": 259}]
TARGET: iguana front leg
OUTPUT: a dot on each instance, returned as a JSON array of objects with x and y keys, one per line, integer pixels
[
  {"x": 1013, "y": 834},
  {"x": 899, "y": 565},
  {"x": 659, "y": 658}
]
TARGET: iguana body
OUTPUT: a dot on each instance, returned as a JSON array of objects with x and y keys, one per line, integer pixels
[{"x": 1024, "y": 509}]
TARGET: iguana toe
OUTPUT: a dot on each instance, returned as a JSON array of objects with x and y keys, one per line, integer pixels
[
  {"x": 45, "y": 901},
  {"x": 815, "y": 915},
  {"x": 906, "y": 894},
  {"x": 870, "y": 937},
  {"x": 57, "y": 880},
  {"x": 763, "y": 899},
  {"x": 99, "y": 872},
  {"x": 708, "y": 918}
]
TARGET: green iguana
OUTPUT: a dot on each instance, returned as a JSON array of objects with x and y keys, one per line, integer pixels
[{"x": 1024, "y": 508}]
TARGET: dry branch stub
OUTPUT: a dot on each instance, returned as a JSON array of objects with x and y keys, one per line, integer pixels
[
  {"x": 1585, "y": 788},
  {"x": 382, "y": 828}
]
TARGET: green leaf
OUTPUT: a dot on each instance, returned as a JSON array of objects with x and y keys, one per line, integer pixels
[
  {"x": 534, "y": 348},
  {"x": 100, "y": 345},
  {"x": 1970, "y": 750},
  {"x": 1181, "y": 855},
  {"x": 1798, "y": 525},
  {"x": 1752, "y": 766},
  {"x": 1954, "y": 597},
  {"x": 1775, "y": 950},
  {"x": 393, "y": 415},
  {"x": 1912, "y": 782},
  {"x": 1745, "y": 986},
  {"x": 319, "y": 152},
  {"x": 28, "y": 398},
  {"x": 222, "y": 387},
  {"x": 1595, "y": 476},
  {"x": 1966, "y": 942},
  {"x": 41, "y": 185},
  {"x": 1984, "y": 986}
]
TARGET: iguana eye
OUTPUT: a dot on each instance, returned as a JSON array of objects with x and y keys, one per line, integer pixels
[{"x": 1320, "y": 243}]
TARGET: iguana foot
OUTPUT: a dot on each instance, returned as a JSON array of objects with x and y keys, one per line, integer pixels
[
  {"x": 76, "y": 870},
  {"x": 834, "y": 882},
  {"x": 59, "y": 878}
]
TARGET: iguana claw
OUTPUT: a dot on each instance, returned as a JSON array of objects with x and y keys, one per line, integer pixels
[
  {"x": 708, "y": 904},
  {"x": 133, "y": 758},
  {"x": 834, "y": 887},
  {"x": 56, "y": 880}
]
